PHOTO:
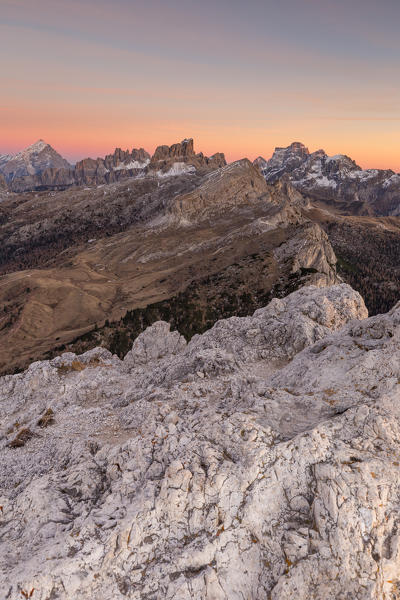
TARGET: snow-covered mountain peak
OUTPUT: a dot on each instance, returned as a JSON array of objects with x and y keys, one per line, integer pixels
[
  {"x": 333, "y": 177},
  {"x": 34, "y": 159},
  {"x": 283, "y": 160},
  {"x": 37, "y": 146}
]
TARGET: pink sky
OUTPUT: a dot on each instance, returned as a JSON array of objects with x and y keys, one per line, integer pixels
[{"x": 89, "y": 76}]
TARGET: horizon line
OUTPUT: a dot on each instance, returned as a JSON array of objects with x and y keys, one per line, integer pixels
[{"x": 70, "y": 156}]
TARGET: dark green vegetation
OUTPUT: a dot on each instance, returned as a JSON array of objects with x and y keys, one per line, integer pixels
[
  {"x": 204, "y": 302},
  {"x": 369, "y": 260}
]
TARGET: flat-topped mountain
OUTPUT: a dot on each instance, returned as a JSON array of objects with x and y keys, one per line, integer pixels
[{"x": 336, "y": 180}]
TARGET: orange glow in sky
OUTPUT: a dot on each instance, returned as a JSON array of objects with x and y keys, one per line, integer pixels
[{"x": 89, "y": 76}]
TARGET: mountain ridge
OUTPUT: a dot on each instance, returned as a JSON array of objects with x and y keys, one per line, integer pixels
[
  {"x": 337, "y": 180},
  {"x": 40, "y": 167},
  {"x": 187, "y": 231},
  {"x": 146, "y": 243}
]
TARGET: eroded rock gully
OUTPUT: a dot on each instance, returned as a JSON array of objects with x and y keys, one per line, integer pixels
[{"x": 261, "y": 460}]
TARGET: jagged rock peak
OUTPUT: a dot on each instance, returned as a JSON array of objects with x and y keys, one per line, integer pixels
[
  {"x": 167, "y": 161},
  {"x": 182, "y": 150},
  {"x": 335, "y": 179},
  {"x": 124, "y": 159},
  {"x": 341, "y": 161},
  {"x": 181, "y": 158},
  {"x": 260, "y": 162},
  {"x": 295, "y": 150},
  {"x": 296, "y": 147},
  {"x": 37, "y": 146},
  {"x": 283, "y": 160}
]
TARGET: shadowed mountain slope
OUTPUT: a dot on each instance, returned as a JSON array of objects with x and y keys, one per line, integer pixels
[
  {"x": 335, "y": 180},
  {"x": 227, "y": 237}
]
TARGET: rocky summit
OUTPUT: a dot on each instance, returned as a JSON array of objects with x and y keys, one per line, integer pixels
[
  {"x": 40, "y": 167},
  {"x": 335, "y": 180},
  {"x": 259, "y": 460},
  {"x": 22, "y": 170}
]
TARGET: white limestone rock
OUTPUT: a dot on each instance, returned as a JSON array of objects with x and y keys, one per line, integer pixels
[
  {"x": 156, "y": 342},
  {"x": 275, "y": 475}
]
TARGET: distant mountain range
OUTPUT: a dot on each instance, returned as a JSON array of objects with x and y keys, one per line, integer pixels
[
  {"x": 40, "y": 167},
  {"x": 335, "y": 180}
]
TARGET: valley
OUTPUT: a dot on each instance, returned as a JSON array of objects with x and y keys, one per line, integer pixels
[{"x": 96, "y": 264}]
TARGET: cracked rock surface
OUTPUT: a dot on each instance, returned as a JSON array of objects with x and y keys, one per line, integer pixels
[{"x": 260, "y": 460}]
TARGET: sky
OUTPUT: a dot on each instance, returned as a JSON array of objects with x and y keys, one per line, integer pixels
[{"x": 239, "y": 77}]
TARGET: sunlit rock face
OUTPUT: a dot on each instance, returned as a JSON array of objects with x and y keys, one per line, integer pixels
[{"x": 260, "y": 460}]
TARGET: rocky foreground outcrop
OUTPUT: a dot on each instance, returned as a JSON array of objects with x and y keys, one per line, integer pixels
[{"x": 261, "y": 460}]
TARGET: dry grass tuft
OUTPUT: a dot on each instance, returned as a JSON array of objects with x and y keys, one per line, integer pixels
[
  {"x": 329, "y": 392},
  {"x": 47, "y": 418},
  {"x": 78, "y": 366},
  {"x": 21, "y": 438},
  {"x": 14, "y": 427}
]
